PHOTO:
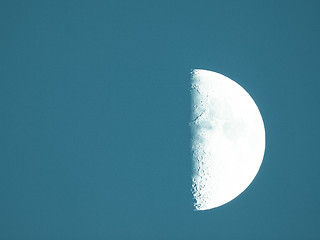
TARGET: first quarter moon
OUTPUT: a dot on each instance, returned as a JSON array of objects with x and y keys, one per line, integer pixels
[{"x": 228, "y": 139}]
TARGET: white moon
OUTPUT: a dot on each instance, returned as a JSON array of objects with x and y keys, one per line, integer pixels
[{"x": 228, "y": 139}]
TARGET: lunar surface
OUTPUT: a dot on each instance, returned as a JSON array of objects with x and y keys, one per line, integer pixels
[{"x": 228, "y": 139}]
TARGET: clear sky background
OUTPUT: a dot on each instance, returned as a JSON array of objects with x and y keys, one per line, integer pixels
[{"x": 94, "y": 112}]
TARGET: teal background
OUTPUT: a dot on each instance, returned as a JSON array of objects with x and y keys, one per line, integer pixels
[{"x": 94, "y": 112}]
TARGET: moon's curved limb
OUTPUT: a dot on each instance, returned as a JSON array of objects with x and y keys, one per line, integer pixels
[{"x": 228, "y": 139}]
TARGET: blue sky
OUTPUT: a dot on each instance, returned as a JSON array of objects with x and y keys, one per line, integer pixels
[{"x": 95, "y": 105}]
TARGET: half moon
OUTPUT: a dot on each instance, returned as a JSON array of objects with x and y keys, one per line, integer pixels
[{"x": 228, "y": 139}]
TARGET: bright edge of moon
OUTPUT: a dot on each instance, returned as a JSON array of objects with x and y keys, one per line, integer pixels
[{"x": 228, "y": 139}]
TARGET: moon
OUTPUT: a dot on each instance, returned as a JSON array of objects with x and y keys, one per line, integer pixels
[{"x": 227, "y": 139}]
